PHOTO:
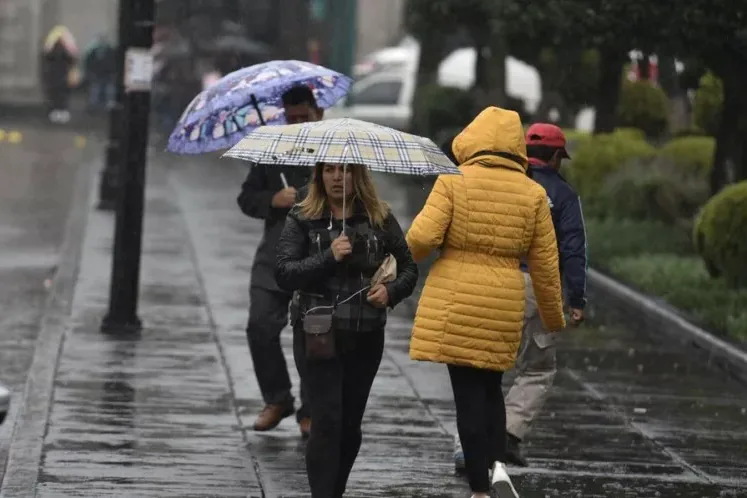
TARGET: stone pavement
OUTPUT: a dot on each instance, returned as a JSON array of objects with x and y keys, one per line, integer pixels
[
  {"x": 169, "y": 413},
  {"x": 43, "y": 173}
]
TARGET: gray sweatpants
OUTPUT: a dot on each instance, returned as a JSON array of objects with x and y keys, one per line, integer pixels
[{"x": 536, "y": 367}]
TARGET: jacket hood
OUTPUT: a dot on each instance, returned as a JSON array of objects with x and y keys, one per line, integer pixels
[
  {"x": 494, "y": 138},
  {"x": 63, "y": 35}
]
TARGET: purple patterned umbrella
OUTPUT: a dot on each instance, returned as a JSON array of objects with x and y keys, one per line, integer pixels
[{"x": 220, "y": 116}]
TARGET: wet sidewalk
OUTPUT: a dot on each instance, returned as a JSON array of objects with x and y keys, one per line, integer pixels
[{"x": 169, "y": 413}]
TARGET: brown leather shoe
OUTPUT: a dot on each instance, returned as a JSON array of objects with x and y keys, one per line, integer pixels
[
  {"x": 305, "y": 425},
  {"x": 271, "y": 416}
]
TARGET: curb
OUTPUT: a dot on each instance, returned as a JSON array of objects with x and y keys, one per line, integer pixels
[
  {"x": 25, "y": 451},
  {"x": 662, "y": 320}
]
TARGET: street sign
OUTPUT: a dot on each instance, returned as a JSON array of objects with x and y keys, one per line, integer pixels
[{"x": 138, "y": 75}]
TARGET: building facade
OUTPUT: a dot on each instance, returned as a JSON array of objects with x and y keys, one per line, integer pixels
[{"x": 23, "y": 26}]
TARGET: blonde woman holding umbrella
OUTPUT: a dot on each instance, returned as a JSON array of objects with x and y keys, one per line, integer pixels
[{"x": 344, "y": 255}]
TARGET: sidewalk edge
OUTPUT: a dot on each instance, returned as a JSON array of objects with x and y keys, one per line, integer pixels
[
  {"x": 221, "y": 347},
  {"x": 25, "y": 451},
  {"x": 665, "y": 321}
]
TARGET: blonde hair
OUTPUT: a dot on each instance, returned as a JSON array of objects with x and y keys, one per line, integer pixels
[{"x": 364, "y": 190}]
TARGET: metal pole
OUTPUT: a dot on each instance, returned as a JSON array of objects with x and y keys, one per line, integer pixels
[
  {"x": 108, "y": 183},
  {"x": 125, "y": 279}
]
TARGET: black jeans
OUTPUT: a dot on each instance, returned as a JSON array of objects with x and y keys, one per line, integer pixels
[
  {"x": 338, "y": 394},
  {"x": 268, "y": 315},
  {"x": 481, "y": 421}
]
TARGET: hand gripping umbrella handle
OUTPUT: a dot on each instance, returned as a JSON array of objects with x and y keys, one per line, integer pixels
[{"x": 255, "y": 104}]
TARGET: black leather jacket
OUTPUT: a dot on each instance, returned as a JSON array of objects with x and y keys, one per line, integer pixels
[{"x": 305, "y": 263}]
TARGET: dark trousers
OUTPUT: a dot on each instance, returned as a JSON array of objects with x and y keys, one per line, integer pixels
[
  {"x": 58, "y": 97},
  {"x": 338, "y": 393},
  {"x": 481, "y": 421},
  {"x": 268, "y": 315}
]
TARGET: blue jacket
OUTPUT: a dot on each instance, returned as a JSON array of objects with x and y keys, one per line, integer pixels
[{"x": 568, "y": 218}]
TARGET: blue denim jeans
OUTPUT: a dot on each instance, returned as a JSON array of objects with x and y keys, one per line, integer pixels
[{"x": 101, "y": 93}]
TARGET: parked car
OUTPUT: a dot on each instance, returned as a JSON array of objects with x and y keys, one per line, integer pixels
[
  {"x": 383, "y": 98},
  {"x": 385, "y": 93}
]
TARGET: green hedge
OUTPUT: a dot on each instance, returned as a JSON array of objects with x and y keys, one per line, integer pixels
[
  {"x": 693, "y": 154},
  {"x": 657, "y": 259},
  {"x": 709, "y": 99},
  {"x": 598, "y": 157},
  {"x": 620, "y": 175},
  {"x": 685, "y": 284},
  {"x": 720, "y": 234},
  {"x": 611, "y": 238},
  {"x": 643, "y": 106},
  {"x": 653, "y": 189},
  {"x": 630, "y": 133}
]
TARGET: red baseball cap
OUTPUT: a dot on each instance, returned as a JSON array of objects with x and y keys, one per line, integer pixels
[{"x": 549, "y": 135}]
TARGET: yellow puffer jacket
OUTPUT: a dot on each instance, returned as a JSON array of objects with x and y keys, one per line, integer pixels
[{"x": 472, "y": 307}]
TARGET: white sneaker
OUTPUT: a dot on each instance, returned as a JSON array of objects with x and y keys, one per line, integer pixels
[
  {"x": 4, "y": 402},
  {"x": 500, "y": 482},
  {"x": 64, "y": 117}
]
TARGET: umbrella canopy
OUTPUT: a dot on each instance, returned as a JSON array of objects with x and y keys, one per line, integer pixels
[
  {"x": 344, "y": 141},
  {"x": 223, "y": 113}
]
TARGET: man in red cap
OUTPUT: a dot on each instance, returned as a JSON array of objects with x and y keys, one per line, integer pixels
[{"x": 536, "y": 363}]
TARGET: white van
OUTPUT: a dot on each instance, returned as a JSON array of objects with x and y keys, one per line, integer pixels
[{"x": 385, "y": 93}]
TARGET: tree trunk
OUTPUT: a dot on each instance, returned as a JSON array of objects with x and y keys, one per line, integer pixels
[
  {"x": 725, "y": 157},
  {"x": 431, "y": 53},
  {"x": 608, "y": 92},
  {"x": 740, "y": 173},
  {"x": 490, "y": 69}
]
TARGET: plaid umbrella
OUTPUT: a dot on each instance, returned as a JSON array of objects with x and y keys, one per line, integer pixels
[{"x": 344, "y": 141}]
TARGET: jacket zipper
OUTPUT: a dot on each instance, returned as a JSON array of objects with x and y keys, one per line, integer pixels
[{"x": 360, "y": 283}]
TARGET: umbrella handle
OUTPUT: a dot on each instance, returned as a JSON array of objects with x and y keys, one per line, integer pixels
[{"x": 255, "y": 104}]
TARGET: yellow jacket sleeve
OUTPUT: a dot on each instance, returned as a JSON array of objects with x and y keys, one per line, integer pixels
[
  {"x": 428, "y": 230},
  {"x": 545, "y": 270}
]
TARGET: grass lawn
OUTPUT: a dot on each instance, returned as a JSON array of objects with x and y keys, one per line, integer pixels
[{"x": 659, "y": 260}]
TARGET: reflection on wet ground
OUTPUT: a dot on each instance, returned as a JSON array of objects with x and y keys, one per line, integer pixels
[
  {"x": 38, "y": 179},
  {"x": 169, "y": 413}
]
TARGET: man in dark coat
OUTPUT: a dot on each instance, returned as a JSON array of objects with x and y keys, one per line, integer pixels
[
  {"x": 268, "y": 194},
  {"x": 536, "y": 363},
  {"x": 100, "y": 72}
]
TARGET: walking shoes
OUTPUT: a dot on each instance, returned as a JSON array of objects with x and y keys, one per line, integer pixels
[
  {"x": 4, "y": 402},
  {"x": 513, "y": 451},
  {"x": 501, "y": 484},
  {"x": 271, "y": 416},
  {"x": 304, "y": 426}
]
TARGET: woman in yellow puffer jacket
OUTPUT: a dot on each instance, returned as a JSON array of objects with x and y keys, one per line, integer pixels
[{"x": 471, "y": 310}]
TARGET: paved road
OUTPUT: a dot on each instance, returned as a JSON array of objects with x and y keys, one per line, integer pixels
[
  {"x": 168, "y": 414},
  {"x": 38, "y": 168}
]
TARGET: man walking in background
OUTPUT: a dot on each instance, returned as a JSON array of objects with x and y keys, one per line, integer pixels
[
  {"x": 268, "y": 193},
  {"x": 536, "y": 364}
]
